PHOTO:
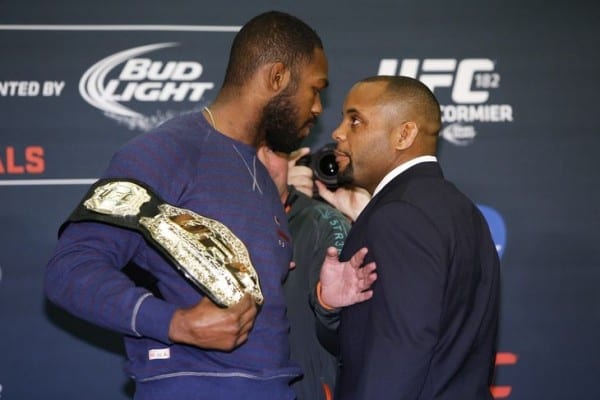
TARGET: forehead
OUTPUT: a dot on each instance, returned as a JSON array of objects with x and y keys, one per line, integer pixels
[
  {"x": 316, "y": 70},
  {"x": 365, "y": 95}
]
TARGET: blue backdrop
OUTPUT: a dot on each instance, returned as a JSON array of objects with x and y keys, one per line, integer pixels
[{"x": 518, "y": 84}]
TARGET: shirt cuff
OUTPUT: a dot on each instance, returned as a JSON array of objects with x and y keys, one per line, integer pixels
[{"x": 152, "y": 318}]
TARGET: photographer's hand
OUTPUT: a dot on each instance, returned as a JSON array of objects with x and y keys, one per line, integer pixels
[
  {"x": 300, "y": 176},
  {"x": 350, "y": 201}
]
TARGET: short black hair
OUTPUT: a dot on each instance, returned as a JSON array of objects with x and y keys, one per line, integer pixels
[
  {"x": 273, "y": 36},
  {"x": 407, "y": 90}
]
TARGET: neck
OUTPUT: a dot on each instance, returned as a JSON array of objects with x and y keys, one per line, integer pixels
[{"x": 238, "y": 119}]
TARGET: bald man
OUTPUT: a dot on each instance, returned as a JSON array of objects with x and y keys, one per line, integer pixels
[{"x": 429, "y": 331}]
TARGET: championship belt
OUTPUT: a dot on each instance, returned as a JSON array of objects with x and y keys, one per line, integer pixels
[{"x": 204, "y": 250}]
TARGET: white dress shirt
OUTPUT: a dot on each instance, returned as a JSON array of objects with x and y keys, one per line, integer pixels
[{"x": 400, "y": 169}]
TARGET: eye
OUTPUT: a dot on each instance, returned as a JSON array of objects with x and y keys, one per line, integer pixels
[{"x": 354, "y": 121}]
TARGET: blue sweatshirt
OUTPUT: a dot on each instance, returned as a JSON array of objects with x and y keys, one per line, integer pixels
[{"x": 189, "y": 165}]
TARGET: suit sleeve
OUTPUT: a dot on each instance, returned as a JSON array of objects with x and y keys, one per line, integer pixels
[{"x": 410, "y": 254}]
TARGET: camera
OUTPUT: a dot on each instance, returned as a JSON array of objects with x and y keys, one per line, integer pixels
[{"x": 322, "y": 162}]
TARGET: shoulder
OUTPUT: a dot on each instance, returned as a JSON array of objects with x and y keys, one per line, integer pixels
[
  {"x": 305, "y": 207},
  {"x": 176, "y": 134},
  {"x": 162, "y": 158},
  {"x": 424, "y": 208},
  {"x": 424, "y": 187}
]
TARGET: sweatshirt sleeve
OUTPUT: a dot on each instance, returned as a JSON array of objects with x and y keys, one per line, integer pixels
[{"x": 84, "y": 277}]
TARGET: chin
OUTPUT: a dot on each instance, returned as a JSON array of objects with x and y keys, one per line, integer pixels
[{"x": 346, "y": 175}]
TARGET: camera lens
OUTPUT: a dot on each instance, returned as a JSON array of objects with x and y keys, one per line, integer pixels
[
  {"x": 323, "y": 165},
  {"x": 327, "y": 165}
]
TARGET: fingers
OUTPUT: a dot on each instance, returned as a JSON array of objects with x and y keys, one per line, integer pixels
[
  {"x": 369, "y": 269},
  {"x": 363, "y": 296},
  {"x": 300, "y": 174},
  {"x": 331, "y": 255},
  {"x": 298, "y": 154},
  {"x": 245, "y": 308},
  {"x": 301, "y": 177},
  {"x": 365, "y": 280},
  {"x": 247, "y": 311},
  {"x": 208, "y": 326},
  {"x": 358, "y": 258},
  {"x": 332, "y": 252},
  {"x": 325, "y": 193}
]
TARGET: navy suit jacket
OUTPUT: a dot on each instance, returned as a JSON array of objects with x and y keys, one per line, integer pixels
[{"x": 429, "y": 332}]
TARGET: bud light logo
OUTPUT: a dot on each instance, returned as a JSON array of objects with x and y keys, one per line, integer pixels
[
  {"x": 497, "y": 227},
  {"x": 116, "y": 83}
]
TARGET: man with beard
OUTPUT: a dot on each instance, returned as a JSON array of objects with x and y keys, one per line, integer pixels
[
  {"x": 107, "y": 270},
  {"x": 429, "y": 331}
]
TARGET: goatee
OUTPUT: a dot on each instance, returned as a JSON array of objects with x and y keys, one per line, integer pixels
[{"x": 346, "y": 177}]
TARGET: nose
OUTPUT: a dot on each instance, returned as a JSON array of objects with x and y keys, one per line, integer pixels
[
  {"x": 338, "y": 134},
  {"x": 317, "y": 107}
]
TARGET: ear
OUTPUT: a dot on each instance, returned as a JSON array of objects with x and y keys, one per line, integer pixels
[
  {"x": 278, "y": 76},
  {"x": 261, "y": 152},
  {"x": 405, "y": 135}
]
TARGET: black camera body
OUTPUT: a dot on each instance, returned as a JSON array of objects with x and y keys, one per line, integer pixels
[{"x": 322, "y": 162}]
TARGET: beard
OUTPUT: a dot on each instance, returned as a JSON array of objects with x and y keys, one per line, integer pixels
[
  {"x": 279, "y": 122},
  {"x": 346, "y": 177}
]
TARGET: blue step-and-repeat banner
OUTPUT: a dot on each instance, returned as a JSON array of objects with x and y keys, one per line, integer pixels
[{"x": 518, "y": 82}]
